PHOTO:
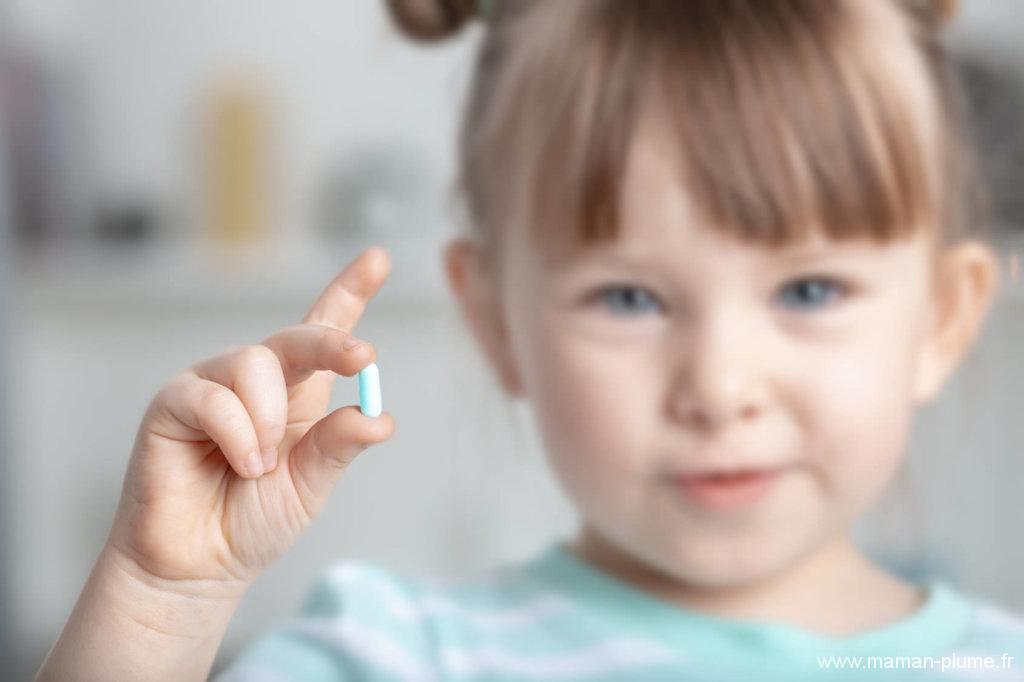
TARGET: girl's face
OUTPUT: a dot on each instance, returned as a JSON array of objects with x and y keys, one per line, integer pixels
[{"x": 676, "y": 350}]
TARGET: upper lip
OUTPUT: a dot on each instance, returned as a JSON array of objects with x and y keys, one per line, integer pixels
[{"x": 728, "y": 470}]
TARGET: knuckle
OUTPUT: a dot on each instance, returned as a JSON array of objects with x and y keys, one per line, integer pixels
[
  {"x": 216, "y": 399},
  {"x": 283, "y": 334},
  {"x": 334, "y": 457},
  {"x": 176, "y": 390},
  {"x": 256, "y": 359},
  {"x": 230, "y": 351},
  {"x": 190, "y": 386},
  {"x": 322, "y": 339},
  {"x": 256, "y": 355},
  {"x": 337, "y": 444},
  {"x": 336, "y": 461},
  {"x": 327, "y": 335},
  {"x": 272, "y": 426},
  {"x": 180, "y": 389},
  {"x": 178, "y": 384}
]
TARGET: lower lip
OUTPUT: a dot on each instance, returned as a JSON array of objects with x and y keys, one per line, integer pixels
[{"x": 727, "y": 492}]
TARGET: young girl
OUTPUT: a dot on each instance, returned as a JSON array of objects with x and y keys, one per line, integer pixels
[{"x": 723, "y": 248}]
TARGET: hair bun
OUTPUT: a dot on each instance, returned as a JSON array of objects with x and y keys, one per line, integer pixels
[
  {"x": 430, "y": 20},
  {"x": 942, "y": 12}
]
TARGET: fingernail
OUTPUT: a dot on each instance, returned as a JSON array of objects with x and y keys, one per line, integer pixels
[
  {"x": 269, "y": 459},
  {"x": 254, "y": 464},
  {"x": 351, "y": 342}
]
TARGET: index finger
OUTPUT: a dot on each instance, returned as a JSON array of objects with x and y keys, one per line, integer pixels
[{"x": 342, "y": 303}]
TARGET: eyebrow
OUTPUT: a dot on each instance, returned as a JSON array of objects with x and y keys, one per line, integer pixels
[
  {"x": 827, "y": 252},
  {"x": 601, "y": 253},
  {"x": 788, "y": 255}
]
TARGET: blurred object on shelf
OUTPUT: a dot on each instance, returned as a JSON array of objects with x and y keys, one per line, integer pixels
[
  {"x": 43, "y": 114},
  {"x": 237, "y": 161},
  {"x": 21, "y": 104},
  {"x": 125, "y": 222},
  {"x": 995, "y": 93},
  {"x": 380, "y": 191},
  {"x": 1011, "y": 250},
  {"x": 7, "y": 507}
]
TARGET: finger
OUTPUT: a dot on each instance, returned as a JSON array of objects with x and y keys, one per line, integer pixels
[
  {"x": 303, "y": 349},
  {"x": 342, "y": 303},
  {"x": 214, "y": 410},
  {"x": 254, "y": 373},
  {"x": 330, "y": 445}
]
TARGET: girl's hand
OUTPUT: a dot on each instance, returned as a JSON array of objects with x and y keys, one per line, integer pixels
[{"x": 234, "y": 456}]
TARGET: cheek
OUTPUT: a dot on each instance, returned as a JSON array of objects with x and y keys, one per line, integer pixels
[
  {"x": 591, "y": 404},
  {"x": 861, "y": 416}
]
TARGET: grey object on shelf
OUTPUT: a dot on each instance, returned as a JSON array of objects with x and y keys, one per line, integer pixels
[
  {"x": 994, "y": 89},
  {"x": 6, "y": 615},
  {"x": 380, "y": 191},
  {"x": 46, "y": 126}
]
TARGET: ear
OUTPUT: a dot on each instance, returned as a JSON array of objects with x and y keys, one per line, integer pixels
[
  {"x": 479, "y": 301},
  {"x": 963, "y": 291}
]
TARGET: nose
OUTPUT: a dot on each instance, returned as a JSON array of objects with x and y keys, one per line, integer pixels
[{"x": 720, "y": 375}]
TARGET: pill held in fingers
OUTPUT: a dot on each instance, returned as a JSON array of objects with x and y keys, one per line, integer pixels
[{"x": 369, "y": 390}]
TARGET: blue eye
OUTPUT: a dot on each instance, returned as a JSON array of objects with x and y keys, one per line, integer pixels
[
  {"x": 632, "y": 300},
  {"x": 813, "y": 292}
]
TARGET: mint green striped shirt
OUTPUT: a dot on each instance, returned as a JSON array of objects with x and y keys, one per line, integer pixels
[{"x": 555, "y": 617}]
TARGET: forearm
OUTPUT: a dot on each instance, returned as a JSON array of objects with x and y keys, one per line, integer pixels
[{"x": 125, "y": 627}]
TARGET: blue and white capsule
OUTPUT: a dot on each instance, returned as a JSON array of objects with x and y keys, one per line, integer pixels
[{"x": 369, "y": 390}]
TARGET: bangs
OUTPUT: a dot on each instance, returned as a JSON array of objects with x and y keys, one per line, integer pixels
[{"x": 788, "y": 118}]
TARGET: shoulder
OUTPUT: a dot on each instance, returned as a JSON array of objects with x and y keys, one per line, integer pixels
[
  {"x": 994, "y": 621},
  {"x": 362, "y": 620},
  {"x": 351, "y": 587},
  {"x": 994, "y": 630},
  {"x": 359, "y": 621},
  {"x": 370, "y": 591}
]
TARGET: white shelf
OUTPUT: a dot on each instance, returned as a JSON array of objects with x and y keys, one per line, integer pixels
[{"x": 186, "y": 273}]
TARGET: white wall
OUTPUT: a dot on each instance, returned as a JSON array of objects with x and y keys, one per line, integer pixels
[{"x": 336, "y": 73}]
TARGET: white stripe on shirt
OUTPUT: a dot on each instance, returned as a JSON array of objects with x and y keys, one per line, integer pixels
[
  {"x": 603, "y": 657},
  {"x": 370, "y": 645},
  {"x": 403, "y": 608},
  {"x": 998, "y": 619}
]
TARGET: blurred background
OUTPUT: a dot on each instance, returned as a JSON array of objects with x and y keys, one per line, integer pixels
[{"x": 178, "y": 177}]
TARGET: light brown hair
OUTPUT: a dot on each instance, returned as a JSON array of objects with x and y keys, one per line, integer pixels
[{"x": 786, "y": 114}]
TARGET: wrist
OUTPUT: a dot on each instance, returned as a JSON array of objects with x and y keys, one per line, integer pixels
[
  {"x": 129, "y": 624},
  {"x": 181, "y": 608}
]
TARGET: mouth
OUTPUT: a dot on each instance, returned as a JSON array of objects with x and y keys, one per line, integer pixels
[{"x": 724, "y": 490}]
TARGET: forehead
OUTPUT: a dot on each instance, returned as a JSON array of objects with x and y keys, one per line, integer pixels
[
  {"x": 657, "y": 214},
  {"x": 660, "y": 222}
]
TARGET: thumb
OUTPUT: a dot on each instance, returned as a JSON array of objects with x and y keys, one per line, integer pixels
[{"x": 329, "y": 446}]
